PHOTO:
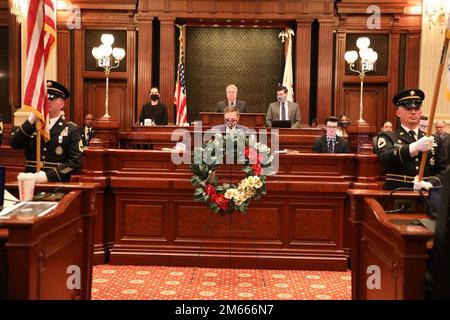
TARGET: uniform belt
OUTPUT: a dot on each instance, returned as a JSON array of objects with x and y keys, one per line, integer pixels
[
  {"x": 402, "y": 178},
  {"x": 44, "y": 164}
]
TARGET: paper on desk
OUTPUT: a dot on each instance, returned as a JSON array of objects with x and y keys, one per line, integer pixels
[{"x": 9, "y": 200}]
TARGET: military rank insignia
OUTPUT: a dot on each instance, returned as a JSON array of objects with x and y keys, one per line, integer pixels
[
  {"x": 59, "y": 150},
  {"x": 381, "y": 142}
]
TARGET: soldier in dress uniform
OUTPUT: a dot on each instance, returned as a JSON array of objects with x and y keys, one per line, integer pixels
[
  {"x": 400, "y": 151},
  {"x": 61, "y": 155}
]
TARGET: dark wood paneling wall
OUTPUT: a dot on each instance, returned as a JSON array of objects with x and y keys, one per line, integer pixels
[{"x": 136, "y": 18}]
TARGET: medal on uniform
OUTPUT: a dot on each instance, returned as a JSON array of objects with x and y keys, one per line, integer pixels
[
  {"x": 60, "y": 138},
  {"x": 432, "y": 161},
  {"x": 59, "y": 150}
]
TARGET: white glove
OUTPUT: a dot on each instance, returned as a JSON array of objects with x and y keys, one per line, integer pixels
[
  {"x": 423, "y": 144},
  {"x": 41, "y": 177},
  {"x": 419, "y": 185},
  {"x": 32, "y": 118}
]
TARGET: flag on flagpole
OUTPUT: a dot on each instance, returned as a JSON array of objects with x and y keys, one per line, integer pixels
[
  {"x": 180, "y": 88},
  {"x": 41, "y": 38},
  {"x": 288, "y": 78}
]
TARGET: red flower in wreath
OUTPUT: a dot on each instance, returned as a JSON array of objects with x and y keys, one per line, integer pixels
[
  {"x": 251, "y": 154},
  {"x": 256, "y": 169},
  {"x": 221, "y": 201},
  {"x": 210, "y": 190}
]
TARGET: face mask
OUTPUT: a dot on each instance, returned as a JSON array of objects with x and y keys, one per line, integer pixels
[
  {"x": 154, "y": 97},
  {"x": 345, "y": 124}
]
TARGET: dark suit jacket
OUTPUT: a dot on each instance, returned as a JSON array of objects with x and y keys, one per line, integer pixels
[
  {"x": 273, "y": 113},
  {"x": 241, "y": 105},
  {"x": 87, "y": 138},
  {"x": 320, "y": 145}
]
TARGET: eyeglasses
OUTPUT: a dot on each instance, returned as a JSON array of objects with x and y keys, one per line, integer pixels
[
  {"x": 231, "y": 120},
  {"x": 331, "y": 127}
]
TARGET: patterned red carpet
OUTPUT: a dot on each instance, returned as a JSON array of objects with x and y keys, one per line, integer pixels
[{"x": 175, "y": 283}]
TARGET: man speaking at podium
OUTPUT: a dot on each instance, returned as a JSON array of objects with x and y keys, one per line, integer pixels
[
  {"x": 400, "y": 151},
  {"x": 231, "y": 100},
  {"x": 61, "y": 155}
]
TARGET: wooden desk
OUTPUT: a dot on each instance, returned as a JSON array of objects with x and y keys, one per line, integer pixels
[
  {"x": 35, "y": 253},
  {"x": 400, "y": 251},
  {"x": 251, "y": 120},
  {"x": 151, "y": 218},
  {"x": 158, "y": 137}
]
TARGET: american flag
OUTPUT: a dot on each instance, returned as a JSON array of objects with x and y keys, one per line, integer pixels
[
  {"x": 180, "y": 91},
  {"x": 41, "y": 38}
]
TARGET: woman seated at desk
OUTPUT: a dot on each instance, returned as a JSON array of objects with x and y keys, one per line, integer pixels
[{"x": 154, "y": 112}]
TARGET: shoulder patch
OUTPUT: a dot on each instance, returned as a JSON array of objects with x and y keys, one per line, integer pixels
[
  {"x": 381, "y": 142},
  {"x": 80, "y": 145}
]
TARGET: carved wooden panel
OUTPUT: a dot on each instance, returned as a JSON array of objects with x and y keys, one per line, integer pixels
[
  {"x": 314, "y": 224},
  {"x": 376, "y": 108},
  {"x": 95, "y": 94},
  {"x": 144, "y": 220},
  {"x": 55, "y": 257},
  {"x": 374, "y": 255}
]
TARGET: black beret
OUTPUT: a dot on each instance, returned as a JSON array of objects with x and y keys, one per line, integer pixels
[
  {"x": 409, "y": 98},
  {"x": 56, "y": 90}
]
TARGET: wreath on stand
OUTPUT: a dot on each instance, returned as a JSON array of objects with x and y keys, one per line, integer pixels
[{"x": 224, "y": 198}]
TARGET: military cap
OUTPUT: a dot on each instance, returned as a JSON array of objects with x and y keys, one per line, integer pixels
[
  {"x": 56, "y": 90},
  {"x": 409, "y": 98}
]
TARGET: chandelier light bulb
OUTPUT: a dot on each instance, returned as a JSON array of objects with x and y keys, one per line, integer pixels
[
  {"x": 107, "y": 39},
  {"x": 118, "y": 53},
  {"x": 362, "y": 43},
  {"x": 351, "y": 56}
]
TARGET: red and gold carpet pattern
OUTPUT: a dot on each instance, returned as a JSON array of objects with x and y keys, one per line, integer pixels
[{"x": 174, "y": 283}]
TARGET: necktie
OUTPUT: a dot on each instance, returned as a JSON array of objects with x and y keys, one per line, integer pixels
[
  {"x": 331, "y": 145},
  {"x": 232, "y": 103},
  {"x": 283, "y": 111},
  {"x": 412, "y": 134}
]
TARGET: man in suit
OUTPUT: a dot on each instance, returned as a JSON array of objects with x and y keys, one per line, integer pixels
[
  {"x": 231, "y": 117},
  {"x": 231, "y": 100},
  {"x": 330, "y": 142},
  {"x": 88, "y": 130},
  {"x": 400, "y": 151},
  {"x": 423, "y": 123},
  {"x": 283, "y": 109},
  {"x": 61, "y": 155},
  {"x": 440, "y": 131}
]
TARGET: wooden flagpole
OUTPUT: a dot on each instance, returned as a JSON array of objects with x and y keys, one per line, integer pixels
[{"x": 437, "y": 86}]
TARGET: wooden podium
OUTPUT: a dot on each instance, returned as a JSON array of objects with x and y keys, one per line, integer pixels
[
  {"x": 250, "y": 120},
  {"x": 394, "y": 243},
  {"x": 40, "y": 254}
]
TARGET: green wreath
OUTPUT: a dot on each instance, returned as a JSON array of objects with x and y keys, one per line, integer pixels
[{"x": 226, "y": 198}]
